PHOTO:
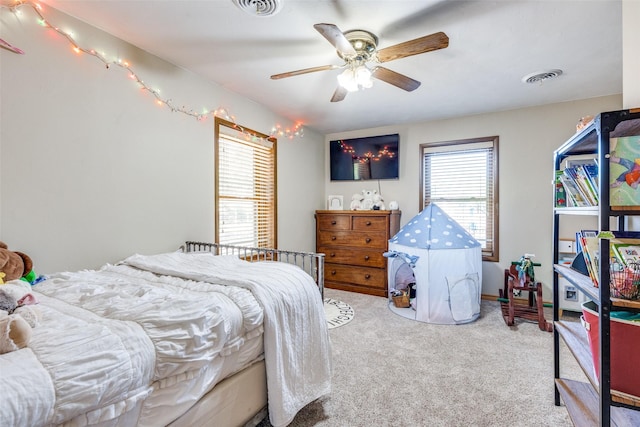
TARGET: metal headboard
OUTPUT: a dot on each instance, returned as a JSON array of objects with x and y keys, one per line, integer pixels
[{"x": 312, "y": 263}]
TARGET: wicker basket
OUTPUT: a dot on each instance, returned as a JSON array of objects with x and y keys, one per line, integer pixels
[{"x": 402, "y": 300}]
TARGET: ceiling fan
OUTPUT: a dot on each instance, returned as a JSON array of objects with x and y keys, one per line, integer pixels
[{"x": 358, "y": 49}]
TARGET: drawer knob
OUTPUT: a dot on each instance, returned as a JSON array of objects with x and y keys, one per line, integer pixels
[
  {"x": 368, "y": 222},
  {"x": 332, "y": 254},
  {"x": 333, "y": 237},
  {"x": 368, "y": 240},
  {"x": 333, "y": 222},
  {"x": 366, "y": 257},
  {"x": 333, "y": 272},
  {"x": 367, "y": 276}
]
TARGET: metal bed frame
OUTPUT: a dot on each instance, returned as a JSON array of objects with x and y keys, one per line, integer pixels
[{"x": 312, "y": 263}]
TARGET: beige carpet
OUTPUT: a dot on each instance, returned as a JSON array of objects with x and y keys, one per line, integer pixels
[{"x": 392, "y": 371}]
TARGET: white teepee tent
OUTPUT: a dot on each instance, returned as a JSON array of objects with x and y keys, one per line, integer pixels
[{"x": 447, "y": 267}]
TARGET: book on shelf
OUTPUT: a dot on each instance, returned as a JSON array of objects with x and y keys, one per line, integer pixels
[
  {"x": 592, "y": 173},
  {"x": 586, "y": 183},
  {"x": 626, "y": 253},
  {"x": 624, "y": 171},
  {"x": 576, "y": 177},
  {"x": 573, "y": 195},
  {"x": 590, "y": 245},
  {"x": 560, "y": 193}
]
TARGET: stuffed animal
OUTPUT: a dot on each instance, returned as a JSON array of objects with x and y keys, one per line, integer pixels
[
  {"x": 18, "y": 316},
  {"x": 378, "y": 202},
  {"x": 14, "y": 265},
  {"x": 367, "y": 202},
  {"x": 356, "y": 202}
]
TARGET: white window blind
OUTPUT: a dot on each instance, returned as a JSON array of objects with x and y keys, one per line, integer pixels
[
  {"x": 245, "y": 189},
  {"x": 460, "y": 178}
]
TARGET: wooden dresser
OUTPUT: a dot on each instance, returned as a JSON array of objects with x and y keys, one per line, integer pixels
[{"x": 353, "y": 243}]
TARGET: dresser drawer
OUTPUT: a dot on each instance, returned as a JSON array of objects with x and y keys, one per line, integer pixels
[
  {"x": 334, "y": 222},
  {"x": 370, "y": 223},
  {"x": 363, "y": 257},
  {"x": 352, "y": 238},
  {"x": 370, "y": 277}
]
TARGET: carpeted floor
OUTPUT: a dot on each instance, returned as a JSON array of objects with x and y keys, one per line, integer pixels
[{"x": 392, "y": 371}]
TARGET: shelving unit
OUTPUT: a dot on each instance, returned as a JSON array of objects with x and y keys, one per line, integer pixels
[{"x": 594, "y": 403}]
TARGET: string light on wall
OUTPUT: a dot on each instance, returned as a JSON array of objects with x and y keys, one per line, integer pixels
[
  {"x": 368, "y": 156},
  {"x": 297, "y": 130}
]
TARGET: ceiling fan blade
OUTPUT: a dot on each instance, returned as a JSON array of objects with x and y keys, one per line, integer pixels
[
  {"x": 333, "y": 34},
  {"x": 396, "y": 79},
  {"x": 339, "y": 94},
  {"x": 304, "y": 71},
  {"x": 414, "y": 47}
]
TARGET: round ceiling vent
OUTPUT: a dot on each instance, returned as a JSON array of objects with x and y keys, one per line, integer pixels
[
  {"x": 259, "y": 7},
  {"x": 541, "y": 76}
]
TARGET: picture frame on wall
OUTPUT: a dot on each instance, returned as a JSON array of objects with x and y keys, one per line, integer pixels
[{"x": 335, "y": 203}]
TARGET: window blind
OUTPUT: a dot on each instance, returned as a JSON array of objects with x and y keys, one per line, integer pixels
[
  {"x": 246, "y": 190},
  {"x": 460, "y": 179}
]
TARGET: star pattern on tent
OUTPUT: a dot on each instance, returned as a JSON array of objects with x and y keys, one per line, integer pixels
[{"x": 441, "y": 231}]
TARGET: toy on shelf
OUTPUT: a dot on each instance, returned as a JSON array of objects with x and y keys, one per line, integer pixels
[{"x": 520, "y": 277}]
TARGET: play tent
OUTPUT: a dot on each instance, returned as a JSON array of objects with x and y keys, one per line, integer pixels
[{"x": 446, "y": 262}]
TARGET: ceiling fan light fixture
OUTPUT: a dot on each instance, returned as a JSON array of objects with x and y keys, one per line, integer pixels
[
  {"x": 355, "y": 78},
  {"x": 261, "y": 8},
  {"x": 363, "y": 77},
  {"x": 347, "y": 80}
]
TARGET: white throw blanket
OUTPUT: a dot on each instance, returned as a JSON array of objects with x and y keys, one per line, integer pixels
[
  {"x": 108, "y": 338},
  {"x": 296, "y": 338}
]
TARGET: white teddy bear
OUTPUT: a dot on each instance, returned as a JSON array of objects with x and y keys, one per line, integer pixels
[
  {"x": 367, "y": 202},
  {"x": 378, "y": 202},
  {"x": 356, "y": 202}
]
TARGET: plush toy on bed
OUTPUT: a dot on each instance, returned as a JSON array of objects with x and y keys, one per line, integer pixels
[
  {"x": 16, "y": 265},
  {"x": 18, "y": 316}
]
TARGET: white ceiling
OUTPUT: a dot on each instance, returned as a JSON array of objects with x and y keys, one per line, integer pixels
[{"x": 492, "y": 46}]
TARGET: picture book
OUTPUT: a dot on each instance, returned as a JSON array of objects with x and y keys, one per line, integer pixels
[
  {"x": 560, "y": 192},
  {"x": 583, "y": 172},
  {"x": 592, "y": 173},
  {"x": 627, "y": 253},
  {"x": 573, "y": 194},
  {"x": 586, "y": 184},
  {"x": 590, "y": 250},
  {"x": 624, "y": 171}
]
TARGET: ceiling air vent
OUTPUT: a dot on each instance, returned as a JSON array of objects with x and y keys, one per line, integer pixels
[
  {"x": 259, "y": 7},
  {"x": 541, "y": 76}
]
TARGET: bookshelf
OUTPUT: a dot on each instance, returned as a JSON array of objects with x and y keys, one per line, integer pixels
[{"x": 594, "y": 403}]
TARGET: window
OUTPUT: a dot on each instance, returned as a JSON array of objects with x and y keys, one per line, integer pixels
[
  {"x": 245, "y": 189},
  {"x": 461, "y": 177}
]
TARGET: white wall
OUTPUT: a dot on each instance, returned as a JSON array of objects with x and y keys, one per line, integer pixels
[
  {"x": 630, "y": 58},
  {"x": 528, "y": 138},
  {"x": 92, "y": 170}
]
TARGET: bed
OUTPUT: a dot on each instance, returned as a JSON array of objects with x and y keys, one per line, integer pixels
[{"x": 194, "y": 337}]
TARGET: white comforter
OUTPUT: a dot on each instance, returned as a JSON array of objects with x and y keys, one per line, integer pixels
[{"x": 108, "y": 337}]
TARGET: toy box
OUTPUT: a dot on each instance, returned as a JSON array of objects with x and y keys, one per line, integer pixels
[{"x": 625, "y": 348}]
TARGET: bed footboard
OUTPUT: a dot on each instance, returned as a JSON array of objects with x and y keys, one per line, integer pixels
[{"x": 310, "y": 262}]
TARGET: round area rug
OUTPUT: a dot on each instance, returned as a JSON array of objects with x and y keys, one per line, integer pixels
[{"x": 337, "y": 313}]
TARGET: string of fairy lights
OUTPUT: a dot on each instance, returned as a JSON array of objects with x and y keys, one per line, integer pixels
[
  {"x": 368, "y": 156},
  {"x": 276, "y": 131}
]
